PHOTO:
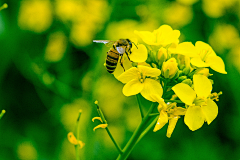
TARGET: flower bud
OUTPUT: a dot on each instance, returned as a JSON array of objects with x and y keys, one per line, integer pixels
[
  {"x": 161, "y": 56},
  {"x": 182, "y": 78},
  {"x": 170, "y": 68},
  {"x": 186, "y": 70},
  {"x": 188, "y": 82},
  {"x": 204, "y": 71}
]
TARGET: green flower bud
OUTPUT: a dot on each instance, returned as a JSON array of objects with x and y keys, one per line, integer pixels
[
  {"x": 182, "y": 78},
  {"x": 161, "y": 56},
  {"x": 187, "y": 81},
  {"x": 186, "y": 70},
  {"x": 170, "y": 68}
]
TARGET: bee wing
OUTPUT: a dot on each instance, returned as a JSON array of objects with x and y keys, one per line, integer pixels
[{"x": 108, "y": 43}]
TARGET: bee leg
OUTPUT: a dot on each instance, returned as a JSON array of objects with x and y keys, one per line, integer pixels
[
  {"x": 128, "y": 57},
  {"x": 122, "y": 63}
]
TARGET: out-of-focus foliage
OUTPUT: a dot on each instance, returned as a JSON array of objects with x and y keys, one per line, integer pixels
[{"x": 50, "y": 69}]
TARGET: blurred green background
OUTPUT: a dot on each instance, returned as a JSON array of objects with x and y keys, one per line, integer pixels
[{"x": 49, "y": 69}]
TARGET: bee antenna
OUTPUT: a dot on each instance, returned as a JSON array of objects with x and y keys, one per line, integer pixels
[{"x": 135, "y": 44}]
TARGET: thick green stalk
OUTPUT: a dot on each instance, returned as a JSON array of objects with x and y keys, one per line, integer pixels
[
  {"x": 140, "y": 105},
  {"x": 135, "y": 137}
]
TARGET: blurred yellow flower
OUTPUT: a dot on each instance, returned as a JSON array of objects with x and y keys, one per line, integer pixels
[
  {"x": 56, "y": 47},
  {"x": 224, "y": 36},
  {"x": 201, "y": 108},
  {"x": 35, "y": 15},
  {"x": 27, "y": 151},
  {"x": 217, "y": 8},
  {"x": 163, "y": 36},
  {"x": 208, "y": 58},
  {"x": 138, "y": 81},
  {"x": 178, "y": 15},
  {"x": 187, "y": 2},
  {"x": 87, "y": 18}
]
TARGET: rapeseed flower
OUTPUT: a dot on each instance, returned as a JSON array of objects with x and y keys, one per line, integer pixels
[
  {"x": 163, "y": 36},
  {"x": 207, "y": 58},
  {"x": 169, "y": 113},
  {"x": 200, "y": 107},
  {"x": 140, "y": 80}
]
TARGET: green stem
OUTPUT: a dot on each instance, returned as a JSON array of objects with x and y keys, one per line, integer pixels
[
  {"x": 77, "y": 134},
  {"x": 115, "y": 143},
  {"x": 177, "y": 101},
  {"x": 140, "y": 105},
  {"x": 148, "y": 128},
  {"x": 107, "y": 129},
  {"x": 136, "y": 136}
]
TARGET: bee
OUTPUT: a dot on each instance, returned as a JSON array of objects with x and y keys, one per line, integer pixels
[{"x": 118, "y": 48}]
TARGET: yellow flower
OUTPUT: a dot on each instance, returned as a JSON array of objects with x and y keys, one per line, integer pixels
[
  {"x": 207, "y": 58},
  {"x": 201, "y": 107},
  {"x": 138, "y": 80},
  {"x": 163, "y": 36},
  {"x": 168, "y": 114},
  {"x": 170, "y": 68}
]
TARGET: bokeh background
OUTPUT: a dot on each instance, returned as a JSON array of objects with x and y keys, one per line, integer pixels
[{"x": 49, "y": 69}]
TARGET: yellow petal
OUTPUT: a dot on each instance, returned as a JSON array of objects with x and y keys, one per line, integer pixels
[
  {"x": 172, "y": 38},
  {"x": 202, "y": 46},
  {"x": 202, "y": 85},
  {"x": 148, "y": 71},
  {"x": 146, "y": 36},
  {"x": 81, "y": 144},
  {"x": 126, "y": 64},
  {"x": 72, "y": 139},
  {"x": 127, "y": 76},
  {"x": 133, "y": 87},
  {"x": 194, "y": 118},
  {"x": 187, "y": 49},
  {"x": 157, "y": 98},
  {"x": 151, "y": 87},
  {"x": 185, "y": 93},
  {"x": 166, "y": 35},
  {"x": 179, "y": 111},
  {"x": 217, "y": 64},
  {"x": 139, "y": 53},
  {"x": 171, "y": 125},
  {"x": 100, "y": 126},
  {"x": 98, "y": 118},
  {"x": 198, "y": 62},
  {"x": 210, "y": 111},
  {"x": 162, "y": 120}
]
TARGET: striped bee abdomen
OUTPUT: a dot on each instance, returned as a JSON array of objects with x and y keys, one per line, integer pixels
[{"x": 112, "y": 60}]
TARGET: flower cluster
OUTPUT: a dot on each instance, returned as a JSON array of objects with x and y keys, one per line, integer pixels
[{"x": 174, "y": 74}]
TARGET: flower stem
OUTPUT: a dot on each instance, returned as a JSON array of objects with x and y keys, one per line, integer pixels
[
  {"x": 140, "y": 105},
  {"x": 107, "y": 129},
  {"x": 77, "y": 134},
  {"x": 115, "y": 143},
  {"x": 177, "y": 101},
  {"x": 136, "y": 137}
]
